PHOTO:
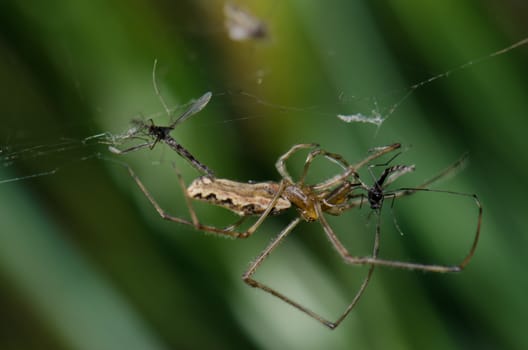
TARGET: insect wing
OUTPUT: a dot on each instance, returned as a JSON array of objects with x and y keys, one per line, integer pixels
[
  {"x": 397, "y": 171},
  {"x": 195, "y": 108}
]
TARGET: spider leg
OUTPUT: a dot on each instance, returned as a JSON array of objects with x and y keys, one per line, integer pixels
[
  {"x": 352, "y": 169},
  {"x": 333, "y": 238},
  {"x": 229, "y": 231},
  {"x": 333, "y": 157},
  {"x": 449, "y": 171},
  {"x": 408, "y": 265},
  {"x": 281, "y": 162},
  {"x": 247, "y": 277},
  {"x": 237, "y": 223},
  {"x": 266, "y": 212},
  {"x": 439, "y": 268}
]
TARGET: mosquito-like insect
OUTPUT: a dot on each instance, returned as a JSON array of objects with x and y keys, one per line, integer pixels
[
  {"x": 377, "y": 193},
  {"x": 154, "y": 133},
  {"x": 332, "y": 196}
]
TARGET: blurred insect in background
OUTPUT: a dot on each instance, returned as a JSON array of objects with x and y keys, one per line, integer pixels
[
  {"x": 241, "y": 25},
  {"x": 333, "y": 196}
]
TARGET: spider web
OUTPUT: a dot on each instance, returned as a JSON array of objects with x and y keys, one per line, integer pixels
[{"x": 62, "y": 153}]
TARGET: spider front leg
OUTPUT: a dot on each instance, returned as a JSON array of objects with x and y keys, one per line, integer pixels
[
  {"x": 281, "y": 162},
  {"x": 334, "y": 157},
  {"x": 350, "y": 170}
]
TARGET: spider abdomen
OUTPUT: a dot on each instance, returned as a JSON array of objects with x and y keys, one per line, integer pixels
[{"x": 242, "y": 198}]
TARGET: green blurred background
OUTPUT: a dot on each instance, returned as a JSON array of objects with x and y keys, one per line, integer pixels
[{"x": 86, "y": 263}]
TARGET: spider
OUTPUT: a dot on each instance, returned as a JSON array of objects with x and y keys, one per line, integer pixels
[
  {"x": 155, "y": 133},
  {"x": 332, "y": 196}
]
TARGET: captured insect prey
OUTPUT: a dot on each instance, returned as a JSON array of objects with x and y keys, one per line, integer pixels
[
  {"x": 151, "y": 134},
  {"x": 335, "y": 195},
  {"x": 154, "y": 133}
]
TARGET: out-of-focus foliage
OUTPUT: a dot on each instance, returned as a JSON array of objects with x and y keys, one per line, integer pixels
[{"x": 85, "y": 261}]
